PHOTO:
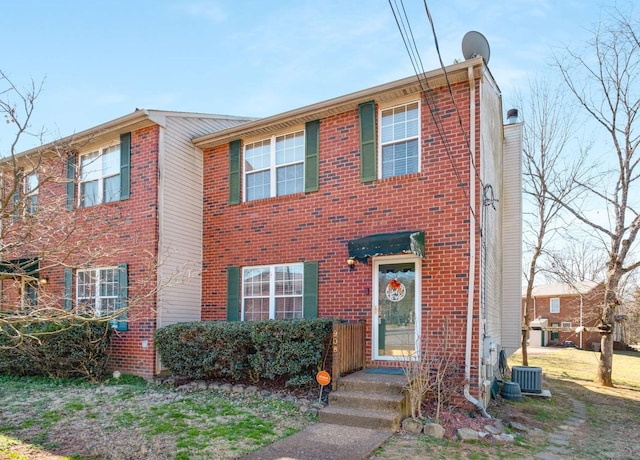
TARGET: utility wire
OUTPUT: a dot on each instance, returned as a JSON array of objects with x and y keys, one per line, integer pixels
[{"x": 410, "y": 44}]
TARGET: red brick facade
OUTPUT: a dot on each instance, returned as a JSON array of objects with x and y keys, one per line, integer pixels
[
  {"x": 103, "y": 235},
  {"x": 575, "y": 310},
  {"x": 317, "y": 226}
]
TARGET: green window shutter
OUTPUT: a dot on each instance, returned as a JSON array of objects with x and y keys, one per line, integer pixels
[
  {"x": 71, "y": 182},
  {"x": 311, "y": 156},
  {"x": 125, "y": 166},
  {"x": 310, "y": 294},
  {"x": 121, "y": 323},
  {"x": 233, "y": 293},
  {"x": 68, "y": 289},
  {"x": 367, "y": 113},
  {"x": 234, "y": 172}
]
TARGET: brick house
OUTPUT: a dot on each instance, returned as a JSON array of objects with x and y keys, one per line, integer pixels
[
  {"x": 391, "y": 205},
  {"x": 114, "y": 217},
  {"x": 563, "y": 313}
]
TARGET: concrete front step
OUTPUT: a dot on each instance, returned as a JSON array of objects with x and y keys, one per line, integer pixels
[
  {"x": 361, "y": 418},
  {"x": 372, "y": 383},
  {"x": 371, "y": 400},
  {"x": 367, "y": 400}
]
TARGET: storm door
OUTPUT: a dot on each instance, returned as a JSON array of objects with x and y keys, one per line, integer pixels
[{"x": 396, "y": 307}]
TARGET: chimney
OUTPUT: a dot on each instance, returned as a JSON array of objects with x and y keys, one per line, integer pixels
[{"x": 512, "y": 116}]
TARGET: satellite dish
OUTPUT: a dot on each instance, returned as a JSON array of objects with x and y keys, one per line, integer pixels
[{"x": 475, "y": 44}]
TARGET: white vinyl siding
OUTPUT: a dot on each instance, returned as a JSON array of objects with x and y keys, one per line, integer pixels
[{"x": 511, "y": 314}]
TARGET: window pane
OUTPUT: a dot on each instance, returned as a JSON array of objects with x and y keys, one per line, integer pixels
[
  {"x": 258, "y": 185},
  {"x": 288, "y": 280},
  {"x": 290, "y": 148},
  {"x": 257, "y": 156},
  {"x": 111, "y": 189},
  {"x": 89, "y": 166},
  {"x": 256, "y": 281},
  {"x": 400, "y": 158},
  {"x": 89, "y": 193},
  {"x": 290, "y": 179},
  {"x": 288, "y": 307},
  {"x": 256, "y": 309},
  {"x": 108, "y": 283},
  {"x": 111, "y": 161},
  {"x": 31, "y": 183}
]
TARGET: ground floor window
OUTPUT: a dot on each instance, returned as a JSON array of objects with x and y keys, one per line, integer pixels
[
  {"x": 272, "y": 292},
  {"x": 101, "y": 292}
]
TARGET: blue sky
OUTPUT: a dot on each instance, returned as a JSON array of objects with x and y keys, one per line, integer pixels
[{"x": 103, "y": 59}]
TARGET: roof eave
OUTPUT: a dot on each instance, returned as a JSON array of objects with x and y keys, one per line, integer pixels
[{"x": 436, "y": 78}]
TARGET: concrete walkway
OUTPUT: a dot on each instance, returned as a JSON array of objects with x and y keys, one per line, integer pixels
[
  {"x": 323, "y": 441},
  {"x": 559, "y": 447}
]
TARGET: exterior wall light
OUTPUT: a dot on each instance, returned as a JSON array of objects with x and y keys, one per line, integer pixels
[
  {"x": 352, "y": 263},
  {"x": 44, "y": 280}
]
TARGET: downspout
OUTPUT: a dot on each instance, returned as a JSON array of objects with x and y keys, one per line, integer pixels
[{"x": 472, "y": 245}]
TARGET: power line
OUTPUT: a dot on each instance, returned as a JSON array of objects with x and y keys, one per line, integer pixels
[{"x": 416, "y": 61}]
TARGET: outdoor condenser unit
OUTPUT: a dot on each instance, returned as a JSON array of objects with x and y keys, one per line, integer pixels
[{"x": 528, "y": 377}]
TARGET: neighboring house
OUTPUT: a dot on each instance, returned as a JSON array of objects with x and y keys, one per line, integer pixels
[
  {"x": 563, "y": 313},
  {"x": 391, "y": 205},
  {"x": 114, "y": 218}
]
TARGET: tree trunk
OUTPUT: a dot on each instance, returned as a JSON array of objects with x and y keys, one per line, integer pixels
[{"x": 607, "y": 320}]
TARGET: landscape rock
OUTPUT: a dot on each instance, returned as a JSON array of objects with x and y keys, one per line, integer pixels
[
  {"x": 467, "y": 434},
  {"x": 505, "y": 438},
  {"x": 412, "y": 426},
  {"x": 239, "y": 388},
  {"x": 518, "y": 427},
  {"x": 226, "y": 387},
  {"x": 434, "y": 430}
]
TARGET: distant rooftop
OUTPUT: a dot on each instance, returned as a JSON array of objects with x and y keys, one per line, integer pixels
[{"x": 560, "y": 289}]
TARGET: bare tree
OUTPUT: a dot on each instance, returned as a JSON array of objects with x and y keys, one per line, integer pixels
[
  {"x": 41, "y": 235},
  {"x": 548, "y": 129},
  {"x": 604, "y": 82}
]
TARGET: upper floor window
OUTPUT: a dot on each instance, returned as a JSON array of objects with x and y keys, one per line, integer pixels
[
  {"x": 274, "y": 166},
  {"x": 399, "y": 140},
  {"x": 31, "y": 186},
  {"x": 554, "y": 305},
  {"x": 100, "y": 176},
  {"x": 272, "y": 292}
]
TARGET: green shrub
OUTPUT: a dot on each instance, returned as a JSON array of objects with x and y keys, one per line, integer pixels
[
  {"x": 277, "y": 349},
  {"x": 61, "y": 349},
  {"x": 205, "y": 350},
  {"x": 291, "y": 349}
]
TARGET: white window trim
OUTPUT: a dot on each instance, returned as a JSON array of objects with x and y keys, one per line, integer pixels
[
  {"x": 96, "y": 290},
  {"x": 551, "y": 306},
  {"x": 565, "y": 324},
  {"x": 273, "y": 167},
  {"x": 272, "y": 287},
  {"x": 101, "y": 179},
  {"x": 396, "y": 104}
]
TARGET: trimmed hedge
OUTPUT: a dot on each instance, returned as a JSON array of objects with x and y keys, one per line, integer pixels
[
  {"x": 61, "y": 349},
  {"x": 273, "y": 350}
]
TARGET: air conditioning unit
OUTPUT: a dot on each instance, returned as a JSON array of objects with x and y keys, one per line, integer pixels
[{"x": 528, "y": 377}]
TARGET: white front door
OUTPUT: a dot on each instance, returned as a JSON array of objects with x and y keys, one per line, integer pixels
[{"x": 396, "y": 307}]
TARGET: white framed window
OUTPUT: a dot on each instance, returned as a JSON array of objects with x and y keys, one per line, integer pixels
[
  {"x": 554, "y": 305},
  {"x": 100, "y": 176},
  {"x": 565, "y": 324},
  {"x": 31, "y": 187},
  {"x": 272, "y": 292},
  {"x": 274, "y": 166},
  {"x": 399, "y": 140},
  {"x": 97, "y": 291}
]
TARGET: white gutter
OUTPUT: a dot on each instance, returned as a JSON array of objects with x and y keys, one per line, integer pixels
[{"x": 472, "y": 247}]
